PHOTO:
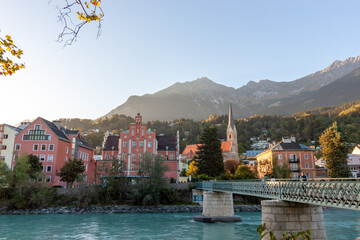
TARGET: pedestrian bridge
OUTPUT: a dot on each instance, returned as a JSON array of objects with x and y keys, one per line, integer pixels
[
  {"x": 295, "y": 206},
  {"x": 340, "y": 193}
]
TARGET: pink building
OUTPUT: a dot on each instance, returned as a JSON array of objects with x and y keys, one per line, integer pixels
[
  {"x": 54, "y": 145},
  {"x": 131, "y": 146}
]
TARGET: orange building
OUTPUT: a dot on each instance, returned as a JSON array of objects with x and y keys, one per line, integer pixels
[
  {"x": 54, "y": 145},
  {"x": 298, "y": 157}
]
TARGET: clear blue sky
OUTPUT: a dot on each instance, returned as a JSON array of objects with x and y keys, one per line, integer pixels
[{"x": 148, "y": 45}]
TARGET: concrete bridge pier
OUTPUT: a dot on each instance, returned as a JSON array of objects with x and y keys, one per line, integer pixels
[
  {"x": 218, "y": 207},
  {"x": 282, "y": 216}
]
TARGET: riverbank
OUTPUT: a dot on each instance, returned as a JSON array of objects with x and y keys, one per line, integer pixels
[{"x": 122, "y": 209}]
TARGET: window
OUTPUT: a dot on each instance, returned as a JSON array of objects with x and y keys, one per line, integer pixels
[
  {"x": 43, "y": 147},
  {"x": 124, "y": 156},
  {"x": 306, "y": 165},
  {"x": 140, "y": 156},
  {"x": 306, "y": 156},
  {"x": 50, "y": 158},
  {"x": 172, "y": 157},
  {"x": 133, "y": 156},
  {"x": 17, "y": 147},
  {"x": 125, "y": 144},
  {"x": 36, "y": 134},
  {"x": 150, "y": 144},
  {"x": 293, "y": 166},
  {"x": 67, "y": 150},
  {"x": 48, "y": 179},
  {"x": 133, "y": 144},
  {"x": 6, "y": 136},
  {"x": 141, "y": 144},
  {"x": 36, "y": 147},
  {"x": 280, "y": 156},
  {"x": 42, "y": 158},
  {"x": 65, "y": 159},
  {"x": 3, "y": 147},
  {"x": 107, "y": 156},
  {"x": 51, "y": 147},
  {"x": 48, "y": 168},
  {"x": 86, "y": 167},
  {"x": 132, "y": 165},
  {"x": 308, "y": 175},
  {"x": 42, "y": 168}
]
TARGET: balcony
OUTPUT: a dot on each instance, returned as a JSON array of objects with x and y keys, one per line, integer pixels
[
  {"x": 295, "y": 169},
  {"x": 294, "y": 160}
]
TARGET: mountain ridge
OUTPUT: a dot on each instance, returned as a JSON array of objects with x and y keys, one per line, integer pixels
[{"x": 199, "y": 98}]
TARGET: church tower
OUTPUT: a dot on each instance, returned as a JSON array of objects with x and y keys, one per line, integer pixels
[{"x": 231, "y": 134}]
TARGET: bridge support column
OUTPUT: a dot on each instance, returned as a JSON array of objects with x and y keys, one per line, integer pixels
[
  {"x": 218, "y": 207},
  {"x": 283, "y": 216}
]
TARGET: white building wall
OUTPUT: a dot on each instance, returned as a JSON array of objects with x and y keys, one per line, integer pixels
[{"x": 9, "y": 143}]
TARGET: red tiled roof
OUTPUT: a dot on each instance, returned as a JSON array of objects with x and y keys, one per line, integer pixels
[
  {"x": 190, "y": 149},
  {"x": 226, "y": 146}
]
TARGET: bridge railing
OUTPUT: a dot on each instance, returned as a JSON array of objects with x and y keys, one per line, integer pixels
[{"x": 342, "y": 193}]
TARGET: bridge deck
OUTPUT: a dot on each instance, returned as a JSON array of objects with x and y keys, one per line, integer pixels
[{"x": 340, "y": 194}]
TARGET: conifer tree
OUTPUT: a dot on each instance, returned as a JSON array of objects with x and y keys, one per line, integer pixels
[
  {"x": 209, "y": 156},
  {"x": 335, "y": 151}
]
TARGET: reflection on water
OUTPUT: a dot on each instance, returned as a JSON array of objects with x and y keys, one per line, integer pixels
[{"x": 340, "y": 224}]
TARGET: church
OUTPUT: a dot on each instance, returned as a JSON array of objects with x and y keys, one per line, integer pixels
[{"x": 229, "y": 147}]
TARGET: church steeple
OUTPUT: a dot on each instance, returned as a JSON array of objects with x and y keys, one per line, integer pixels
[
  {"x": 231, "y": 134},
  {"x": 231, "y": 118}
]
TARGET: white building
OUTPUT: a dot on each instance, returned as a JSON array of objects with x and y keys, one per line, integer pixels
[{"x": 7, "y": 139}]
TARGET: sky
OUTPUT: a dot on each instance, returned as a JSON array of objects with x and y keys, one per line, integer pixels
[{"x": 149, "y": 45}]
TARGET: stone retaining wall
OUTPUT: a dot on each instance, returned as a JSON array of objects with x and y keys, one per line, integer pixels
[{"x": 123, "y": 209}]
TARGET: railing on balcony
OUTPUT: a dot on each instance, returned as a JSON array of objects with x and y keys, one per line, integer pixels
[
  {"x": 294, "y": 160},
  {"x": 295, "y": 169},
  {"x": 340, "y": 193}
]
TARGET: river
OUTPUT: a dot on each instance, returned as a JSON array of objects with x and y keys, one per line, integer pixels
[{"x": 340, "y": 224}]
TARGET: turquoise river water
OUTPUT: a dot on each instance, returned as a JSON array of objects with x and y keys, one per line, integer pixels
[{"x": 340, "y": 224}]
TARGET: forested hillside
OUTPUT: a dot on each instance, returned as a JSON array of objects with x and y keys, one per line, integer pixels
[{"x": 305, "y": 126}]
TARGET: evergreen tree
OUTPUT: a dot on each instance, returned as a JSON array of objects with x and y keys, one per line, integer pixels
[
  {"x": 210, "y": 159},
  {"x": 335, "y": 151}
]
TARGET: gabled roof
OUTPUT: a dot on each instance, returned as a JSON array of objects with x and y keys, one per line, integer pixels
[
  {"x": 12, "y": 127},
  {"x": 193, "y": 148},
  {"x": 84, "y": 144},
  {"x": 290, "y": 146},
  {"x": 226, "y": 146},
  {"x": 111, "y": 141},
  {"x": 167, "y": 141},
  {"x": 59, "y": 133},
  {"x": 190, "y": 149},
  {"x": 71, "y": 132}
]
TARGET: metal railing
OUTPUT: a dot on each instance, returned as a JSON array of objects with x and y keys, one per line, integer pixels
[{"x": 340, "y": 193}]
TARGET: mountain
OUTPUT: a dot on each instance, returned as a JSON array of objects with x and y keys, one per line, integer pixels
[{"x": 336, "y": 84}]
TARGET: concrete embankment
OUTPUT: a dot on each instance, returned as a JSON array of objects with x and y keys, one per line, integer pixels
[{"x": 122, "y": 209}]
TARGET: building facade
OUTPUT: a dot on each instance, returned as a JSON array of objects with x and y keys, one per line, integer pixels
[
  {"x": 298, "y": 157},
  {"x": 7, "y": 140},
  {"x": 131, "y": 147},
  {"x": 54, "y": 145}
]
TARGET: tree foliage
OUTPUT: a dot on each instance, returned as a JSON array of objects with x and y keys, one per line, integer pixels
[
  {"x": 75, "y": 15},
  {"x": 72, "y": 171},
  {"x": 193, "y": 169},
  {"x": 35, "y": 167},
  {"x": 244, "y": 172},
  {"x": 209, "y": 156},
  {"x": 9, "y": 50},
  {"x": 335, "y": 151},
  {"x": 231, "y": 165}
]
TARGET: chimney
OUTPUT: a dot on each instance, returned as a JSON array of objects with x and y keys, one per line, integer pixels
[{"x": 57, "y": 124}]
